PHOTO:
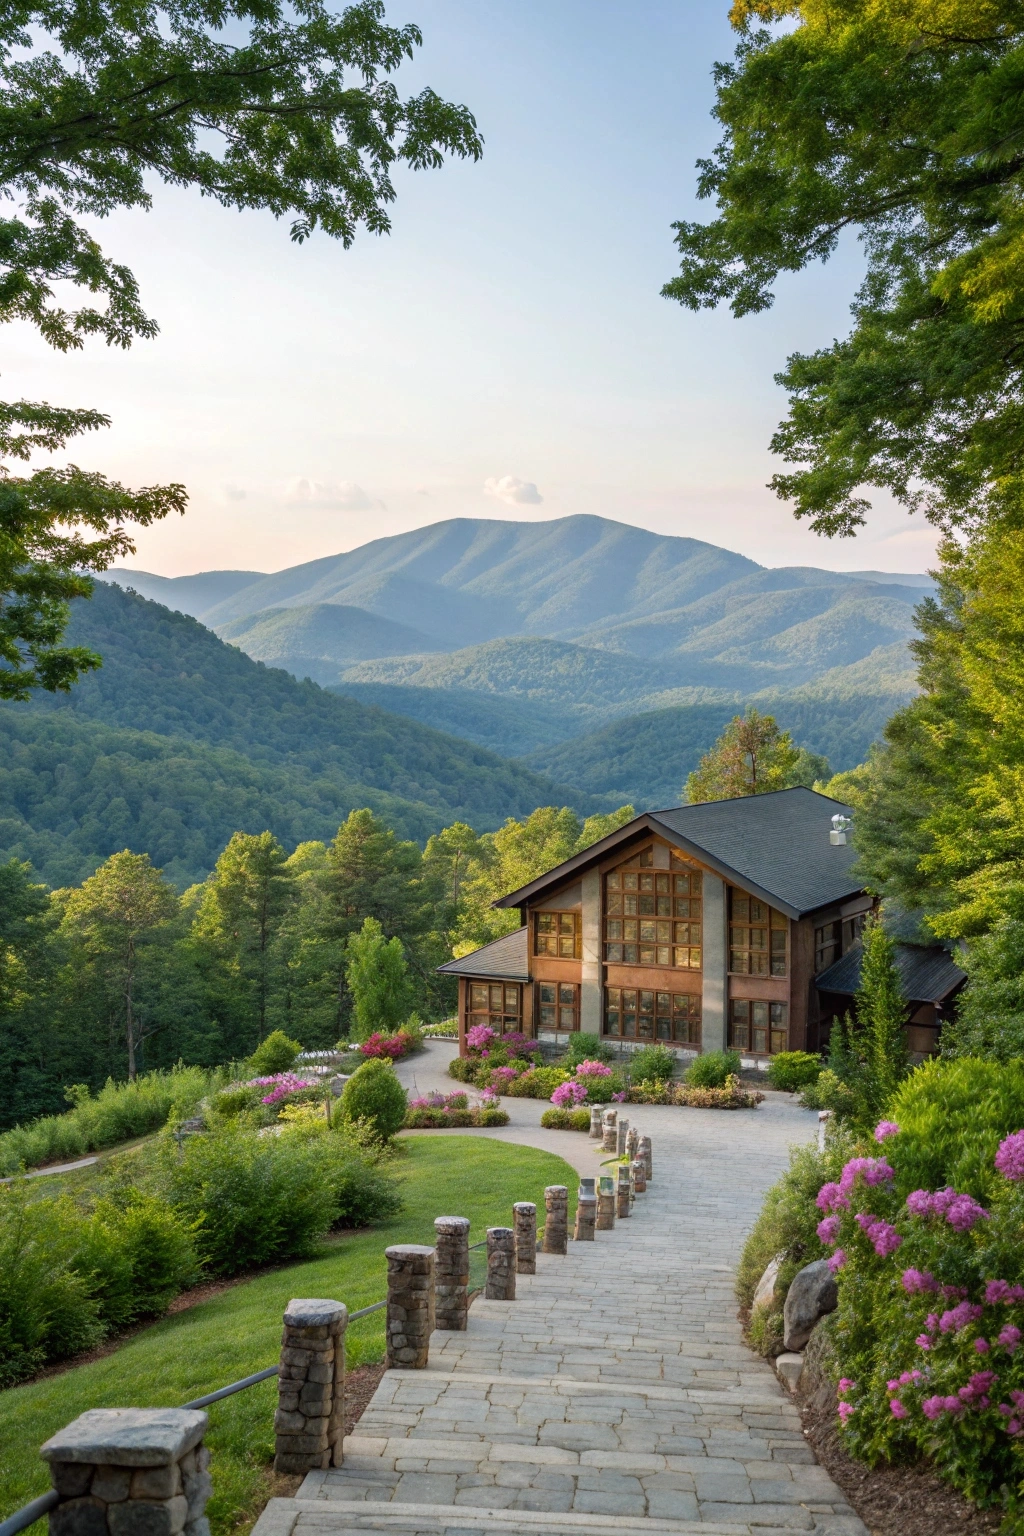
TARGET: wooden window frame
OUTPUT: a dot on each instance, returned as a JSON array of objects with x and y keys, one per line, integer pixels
[
  {"x": 671, "y": 1018},
  {"x": 566, "y": 926},
  {"x": 828, "y": 944},
  {"x": 758, "y": 1026},
  {"x": 653, "y": 917},
  {"x": 758, "y": 937},
  {"x": 503, "y": 1019},
  {"x": 564, "y": 1005}
]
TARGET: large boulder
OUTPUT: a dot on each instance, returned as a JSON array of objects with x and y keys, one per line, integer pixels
[{"x": 811, "y": 1296}]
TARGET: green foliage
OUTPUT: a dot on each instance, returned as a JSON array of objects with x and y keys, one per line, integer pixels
[
  {"x": 377, "y": 978},
  {"x": 893, "y": 119},
  {"x": 990, "y": 1015},
  {"x": 711, "y": 1069},
  {"x": 881, "y": 1014},
  {"x": 136, "y": 1255},
  {"x": 46, "y": 1309},
  {"x": 792, "y": 1070},
  {"x": 539, "y": 1083},
  {"x": 788, "y": 1219},
  {"x": 585, "y": 1047},
  {"x": 254, "y": 1199},
  {"x": 566, "y": 1119},
  {"x": 463, "y": 1068},
  {"x": 654, "y": 1063},
  {"x": 374, "y": 1095},
  {"x": 952, "y": 1116},
  {"x": 274, "y": 1054},
  {"x": 751, "y": 757},
  {"x": 426, "y": 1119}
]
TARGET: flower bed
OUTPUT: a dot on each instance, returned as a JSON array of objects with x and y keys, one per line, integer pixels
[
  {"x": 440, "y": 1111},
  {"x": 392, "y": 1047},
  {"x": 732, "y": 1096}
]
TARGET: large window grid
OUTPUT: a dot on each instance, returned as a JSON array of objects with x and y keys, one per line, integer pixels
[
  {"x": 636, "y": 1014},
  {"x": 558, "y": 1005},
  {"x": 498, "y": 1004},
  {"x": 827, "y": 945},
  {"x": 760, "y": 1027},
  {"x": 758, "y": 936},
  {"x": 653, "y": 918},
  {"x": 557, "y": 934}
]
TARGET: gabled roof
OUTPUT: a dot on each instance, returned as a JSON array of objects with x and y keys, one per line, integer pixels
[
  {"x": 928, "y": 973},
  {"x": 503, "y": 959},
  {"x": 776, "y": 846}
]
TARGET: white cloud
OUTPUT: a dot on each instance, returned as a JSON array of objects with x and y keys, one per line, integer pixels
[
  {"x": 513, "y": 491},
  {"x": 330, "y": 496},
  {"x": 232, "y": 493}
]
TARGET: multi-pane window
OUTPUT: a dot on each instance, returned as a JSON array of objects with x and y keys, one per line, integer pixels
[
  {"x": 499, "y": 1004},
  {"x": 827, "y": 945},
  {"x": 558, "y": 1005},
  {"x": 758, "y": 1026},
  {"x": 557, "y": 934},
  {"x": 653, "y": 918},
  {"x": 635, "y": 1014},
  {"x": 757, "y": 937}
]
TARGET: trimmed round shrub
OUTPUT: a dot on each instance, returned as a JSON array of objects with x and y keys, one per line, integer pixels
[
  {"x": 566, "y": 1119},
  {"x": 465, "y": 1068},
  {"x": 583, "y": 1047},
  {"x": 652, "y": 1064},
  {"x": 712, "y": 1069},
  {"x": 373, "y": 1094},
  {"x": 790, "y": 1071},
  {"x": 493, "y": 1117},
  {"x": 538, "y": 1084},
  {"x": 274, "y": 1054},
  {"x": 952, "y": 1116}
]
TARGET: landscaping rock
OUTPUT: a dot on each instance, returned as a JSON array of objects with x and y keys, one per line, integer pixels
[
  {"x": 790, "y": 1368},
  {"x": 765, "y": 1293},
  {"x": 811, "y": 1297}
]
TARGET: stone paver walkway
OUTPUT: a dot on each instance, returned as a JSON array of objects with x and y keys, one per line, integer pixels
[{"x": 616, "y": 1393}]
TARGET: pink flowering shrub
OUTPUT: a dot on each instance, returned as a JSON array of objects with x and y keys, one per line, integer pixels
[
  {"x": 480, "y": 1036},
  {"x": 569, "y": 1095},
  {"x": 592, "y": 1070},
  {"x": 390, "y": 1047},
  {"x": 280, "y": 1086}
]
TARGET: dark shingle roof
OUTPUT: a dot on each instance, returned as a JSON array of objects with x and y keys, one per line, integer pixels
[
  {"x": 928, "y": 974},
  {"x": 776, "y": 842},
  {"x": 504, "y": 959}
]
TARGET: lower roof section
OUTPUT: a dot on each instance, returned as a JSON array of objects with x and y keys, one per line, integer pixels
[
  {"x": 504, "y": 959},
  {"x": 928, "y": 973}
]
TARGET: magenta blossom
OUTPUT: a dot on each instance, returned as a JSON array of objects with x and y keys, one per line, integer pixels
[
  {"x": 284, "y": 1084},
  {"x": 897, "y": 1409},
  {"x": 837, "y": 1261},
  {"x": 873, "y": 1170},
  {"x": 828, "y": 1230},
  {"x": 918, "y": 1280},
  {"x": 982, "y": 1346},
  {"x": 480, "y": 1036},
  {"x": 619, "y": 1098},
  {"x": 964, "y": 1212},
  {"x": 1009, "y": 1338},
  {"x": 831, "y": 1198},
  {"x": 959, "y": 1317},
  {"x": 593, "y": 1069},
  {"x": 923, "y": 1341},
  {"x": 568, "y": 1095},
  {"x": 846, "y": 1411},
  {"x": 882, "y": 1236},
  {"x": 961, "y": 1211},
  {"x": 845, "y": 1384},
  {"x": 932, "y": 1407},
  {"x": 1000, "y": 1290},
  {"x": 1010, "y": 1157},
  {"x": 886, "y": 1128}
]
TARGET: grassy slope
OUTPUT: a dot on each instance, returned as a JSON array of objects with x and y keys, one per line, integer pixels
[{"x": 238, "y": 1332}]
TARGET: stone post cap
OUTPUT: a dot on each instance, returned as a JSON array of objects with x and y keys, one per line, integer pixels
[
  {"x": 599, "y": 1107},
  {"x": 408, "y": 1251},
  {"x": 527, "y": 1207},
  {"x": 128, "y": 1437},
  {"x": 590, "y": 1184},
  {"x": 587, "y": 1197},
  {"x": 500, "y": 1232},
  {"x": 314, "y": 1313},
  {"x": 557, "y": 1189},
  {"x": 451, "y": 1224}
]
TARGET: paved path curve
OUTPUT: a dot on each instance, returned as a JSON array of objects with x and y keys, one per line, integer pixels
[{"x": 616, "y": 1393}]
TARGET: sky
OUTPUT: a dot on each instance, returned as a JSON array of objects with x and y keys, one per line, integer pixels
[{"x": 504, "y": 352}]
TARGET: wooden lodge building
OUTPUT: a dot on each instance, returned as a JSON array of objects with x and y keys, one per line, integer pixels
[{"x": 702, "y": 927}]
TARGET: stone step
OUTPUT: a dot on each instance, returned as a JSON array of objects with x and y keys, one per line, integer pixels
[{"x": 302, "y": 1517}]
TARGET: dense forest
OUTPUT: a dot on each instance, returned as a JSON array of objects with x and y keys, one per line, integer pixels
[{"x": 123, "y": 968}]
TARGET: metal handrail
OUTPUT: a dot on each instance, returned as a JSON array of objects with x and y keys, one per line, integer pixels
[{"x": 30, "y": 1513}]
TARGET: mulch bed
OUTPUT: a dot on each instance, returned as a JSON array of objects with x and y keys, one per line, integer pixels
[{"x": 891, "y": 1500}]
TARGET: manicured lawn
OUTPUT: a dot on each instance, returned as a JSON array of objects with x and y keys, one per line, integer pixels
[{"x": 239, "y": 1332}]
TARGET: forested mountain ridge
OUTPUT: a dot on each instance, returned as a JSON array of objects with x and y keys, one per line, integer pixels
[{"x": 170, "y": 691}]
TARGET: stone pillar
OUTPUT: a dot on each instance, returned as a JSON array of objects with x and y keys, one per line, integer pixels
[
  {"x": 524, "y": 1224},
  {"x": 632, "y": 1142},
  {"x": 309, "y": 1422},
  {"x": 590, "y": 958},
  {"x": 644, "y": 1151},
  {"x": 586, "y": 1216},
  {"x": 596, "y": 1128},
  {"x": 606, "y": 1205},
  {"x": 501, "y": 1264},
  {"x": 609, "y": 1134},
  {"x": 451, "y": 1273},
  {"x": 556, "y": 1222},
  {"x": 622, "y": 1192},
  {"x": 410, "y": 1314},
  {"x": 715, "y": 986},
  {"x": 131, "y": 1472},
  {"x": 621, "y": 1132},
  {"x": 639, "y": 1172}
]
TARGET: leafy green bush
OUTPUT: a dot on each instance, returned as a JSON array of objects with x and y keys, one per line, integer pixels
[
  {"x": 274, "y": 1054},
  {"x": 464, "y": 1069},
  {"x": 731, "y": 1095},
  {"x": 652, "y": 1063},
  {"x": 47, "y": 1311},
  {"x": 788, "y": 1221},
  {"x": 374, "y": 1095},
  {"x": 584, "y": 1047},
  {"x": 952, "y": 1116},
  {"x": 236, "y": 1101},
  {"x": 566, "y": 1119},
  {"x": 712, "y": 1069},
  {"x": 493, "y": 1117},
  {"x": 253, "y": 1199},
  {"x": 427, "y": 1119},
  {"x": 138, "y": 1255},
  {"x": 445, "y": 1029},
  {"x": 540, "y": 1083},
  {"x": 790, "y": 1071},
  {"x": 119, "y": 1112}
]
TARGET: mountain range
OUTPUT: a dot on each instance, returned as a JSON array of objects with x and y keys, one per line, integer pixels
[{"x": 534, "y": 640}]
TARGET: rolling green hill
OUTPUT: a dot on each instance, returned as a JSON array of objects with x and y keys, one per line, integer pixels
[
  {"x": 507, "y": 725},
  {"x": 320, "y": 640},
  {"x": 310, "y": 755}
]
